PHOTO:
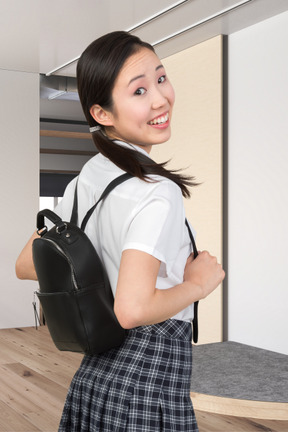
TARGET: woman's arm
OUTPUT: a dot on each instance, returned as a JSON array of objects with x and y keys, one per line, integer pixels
[
  {"x": 24, "y": 265},
  {"x": 139, "y": 302}
]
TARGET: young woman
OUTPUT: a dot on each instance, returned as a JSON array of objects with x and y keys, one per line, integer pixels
[{"x": 140, "y": 234}]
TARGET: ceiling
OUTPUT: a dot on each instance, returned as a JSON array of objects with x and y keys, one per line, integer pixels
[{"x": 40, "y": 37}]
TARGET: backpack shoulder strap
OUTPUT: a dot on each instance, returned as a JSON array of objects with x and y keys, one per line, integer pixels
[
  {"x": 74, "y": 214},
  {"x": 195, "y": 319},
  {"x": 195, "y": 251},
  {"x": 107, "y": 190}
]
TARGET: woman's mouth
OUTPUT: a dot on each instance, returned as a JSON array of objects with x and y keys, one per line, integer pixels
[{"x": 159, "y": 121}]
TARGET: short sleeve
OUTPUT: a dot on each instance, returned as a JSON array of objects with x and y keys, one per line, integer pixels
[
  {"x": 64, "y": 208},
  {"x": 157, "y": 224}
]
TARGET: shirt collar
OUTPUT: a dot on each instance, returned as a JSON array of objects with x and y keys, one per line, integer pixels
[{"x": 132, "y": 146}]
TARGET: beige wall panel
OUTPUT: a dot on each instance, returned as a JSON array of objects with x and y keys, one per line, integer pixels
[{"x": 196, "y": 145}]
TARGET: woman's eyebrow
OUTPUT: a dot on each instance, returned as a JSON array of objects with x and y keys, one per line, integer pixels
[
  {"x": 136, "y": 78},
  {"x": 159, "y": 67},
  {"x": 143, "y": 75}
]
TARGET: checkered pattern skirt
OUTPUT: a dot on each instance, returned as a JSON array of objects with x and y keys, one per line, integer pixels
[{"x": 142, "y": 386}]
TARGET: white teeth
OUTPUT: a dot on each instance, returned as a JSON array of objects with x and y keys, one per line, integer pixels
[{"x": 160, "y": 120}]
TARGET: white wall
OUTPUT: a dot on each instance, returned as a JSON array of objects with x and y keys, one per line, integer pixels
[
  {"x": 258, "y": 181},
  {"x": 19, "y": 180}
]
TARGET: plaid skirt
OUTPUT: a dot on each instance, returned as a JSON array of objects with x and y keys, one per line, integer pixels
[{"x": 144, "y": 385}]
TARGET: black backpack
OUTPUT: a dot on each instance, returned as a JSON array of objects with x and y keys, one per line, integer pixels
[{"x": 74, "y": 290}]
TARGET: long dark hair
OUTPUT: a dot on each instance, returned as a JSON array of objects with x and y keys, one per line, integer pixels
[{"x": 97, "y": 70}]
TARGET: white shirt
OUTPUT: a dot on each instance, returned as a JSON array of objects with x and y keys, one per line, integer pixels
[{"x": 138, "y": 215}]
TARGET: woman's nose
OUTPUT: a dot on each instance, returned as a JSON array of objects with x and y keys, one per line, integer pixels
[{"x": 158, "y": 99}]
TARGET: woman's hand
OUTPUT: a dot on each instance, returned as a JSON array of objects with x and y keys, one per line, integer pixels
[{"x": 204, "y": 272}]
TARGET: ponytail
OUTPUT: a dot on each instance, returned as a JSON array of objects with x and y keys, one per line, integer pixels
[{"x": 138, "y": 164}]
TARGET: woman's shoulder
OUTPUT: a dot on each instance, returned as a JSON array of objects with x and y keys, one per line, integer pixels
[
  {"x": 161, "y": 186},
  {"x": 156, "y": 191}
]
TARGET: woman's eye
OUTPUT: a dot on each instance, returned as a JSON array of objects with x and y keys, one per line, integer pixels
[
  {"x": 140, "y": 91},
  {"x": 162, "y": 79}
]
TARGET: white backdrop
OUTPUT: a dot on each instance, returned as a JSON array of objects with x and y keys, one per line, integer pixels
[{"x": 258, "y": 182}]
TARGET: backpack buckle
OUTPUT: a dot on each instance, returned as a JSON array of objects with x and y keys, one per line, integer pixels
[
  {"x": 42, "y": 231},
  {"x": 61, "y": 227}
]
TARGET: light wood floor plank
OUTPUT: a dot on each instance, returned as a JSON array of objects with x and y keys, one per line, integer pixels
[
  {"x": 45, "y": 359},
  {"x": 49, "y": 386},
  {"x": 209, "y": 422},
  {"x": 11, "y": 421},
  {"x": 240, "y": 407},
  {"x": 38, "y": 339},
  {"x": 29, "y": 401}
]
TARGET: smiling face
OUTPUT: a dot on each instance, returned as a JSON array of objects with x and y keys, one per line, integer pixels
[{"x": 143, "y": 100}]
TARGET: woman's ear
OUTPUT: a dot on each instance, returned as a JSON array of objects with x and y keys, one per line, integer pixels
[{"x": 101, "y": 116}]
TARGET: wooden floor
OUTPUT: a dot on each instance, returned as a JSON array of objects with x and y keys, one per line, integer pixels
[{"x": 34, "y": 377}]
